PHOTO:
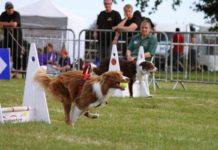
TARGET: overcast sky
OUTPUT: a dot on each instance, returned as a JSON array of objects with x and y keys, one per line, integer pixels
[{"x": 89, "y": 9}]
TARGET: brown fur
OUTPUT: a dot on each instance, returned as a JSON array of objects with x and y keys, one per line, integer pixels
[{"x": 65, "y": 88}]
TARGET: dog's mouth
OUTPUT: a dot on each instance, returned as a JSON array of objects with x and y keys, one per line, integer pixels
[
  {"x": 117, "y": 85},
  {"x": 124, "y": 80},
  {"x": 150, "y": 70}
]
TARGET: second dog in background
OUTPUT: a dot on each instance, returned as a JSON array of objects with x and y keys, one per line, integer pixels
[{"x": 128, "y": 68}]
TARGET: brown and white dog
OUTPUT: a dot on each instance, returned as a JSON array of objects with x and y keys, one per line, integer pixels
[
  {"x": 129, "y": 69},
  {"x": 67, "y": 89}
]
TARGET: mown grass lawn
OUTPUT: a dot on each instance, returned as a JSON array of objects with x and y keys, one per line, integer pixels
[{"x": 171, "y": 120}]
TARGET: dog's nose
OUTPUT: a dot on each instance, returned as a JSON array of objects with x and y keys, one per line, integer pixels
[
  {"x": 126, "y": 79},
  {"x": 154, "y": 70}
]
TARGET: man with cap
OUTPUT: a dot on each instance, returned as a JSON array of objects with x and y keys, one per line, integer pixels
[
  {"x": 106, "y": 20},
  {"x": 10, "y": 20},
  {"x": 64, "y": 61}
]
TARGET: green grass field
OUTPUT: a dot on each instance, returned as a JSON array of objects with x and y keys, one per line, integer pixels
[{"x": 171, "y": 120}]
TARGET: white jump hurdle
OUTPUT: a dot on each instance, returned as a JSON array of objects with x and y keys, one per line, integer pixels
[
  {"x": 34, "y": 107},
  {"x": 115, "y": 65}
]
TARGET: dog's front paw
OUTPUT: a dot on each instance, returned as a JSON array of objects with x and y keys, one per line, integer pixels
[{"x": 94, "y": 115}]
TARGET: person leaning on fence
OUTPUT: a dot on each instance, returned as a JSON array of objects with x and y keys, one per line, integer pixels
[
  {"x": 106, "y": 20},
  {"x": 130, "y": 23},
  {"x": 10, "y": 19},
  {"x": 178, "y": 50},
  {"x": 146, "y": 39}
]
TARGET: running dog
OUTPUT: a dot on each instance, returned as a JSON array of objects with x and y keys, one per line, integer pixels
[{"x": 71, "y": 88}]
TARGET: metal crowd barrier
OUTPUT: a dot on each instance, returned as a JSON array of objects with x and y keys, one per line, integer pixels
[
  {"x": 98, "y": 45},
  {"x": 19, "y": 39},
  {"x": 199, "y": 62}
]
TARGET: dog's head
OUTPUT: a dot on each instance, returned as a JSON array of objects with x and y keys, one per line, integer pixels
[
  {"x": 147, "y": 67},
  {"x": 112, "y": 79}
]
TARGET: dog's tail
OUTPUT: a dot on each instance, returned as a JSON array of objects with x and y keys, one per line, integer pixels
[{"x": 42, "y": 78}]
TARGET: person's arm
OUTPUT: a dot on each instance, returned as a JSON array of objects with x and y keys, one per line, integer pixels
[
  {"x": 129, "y": 52},
  {"x": 131, "y": 27},
  {"x": 115, "y": 28},
  {"x": 151, "y": 48},
  {"x": 95, "y": 34},
  {"x": 129, "y": 55},
  {"x": 67, "y": 66},
  {"x": 116, "y": 37},
  {"x": 12, "y": 23},
  {"x": 120, "y": 24},
  {"x": 8, "y": 24}
]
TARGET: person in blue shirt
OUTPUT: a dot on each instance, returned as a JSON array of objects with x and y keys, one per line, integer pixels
[
  {"x": 64, "y": 63},
  {"x": 50, "y": 54}
]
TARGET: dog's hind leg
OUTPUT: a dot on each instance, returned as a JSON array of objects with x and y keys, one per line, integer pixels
[
  {"x": 91, "y": 115},
  {"x": 67, "y": 107}
]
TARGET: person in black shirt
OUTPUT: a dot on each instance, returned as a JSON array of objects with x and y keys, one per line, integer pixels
[
  {"x": 10, "y": 20},
  {"x": 106, "y": 20},
  {"x": 130, "y": 24}
]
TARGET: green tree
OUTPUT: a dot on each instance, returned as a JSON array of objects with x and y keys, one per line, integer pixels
[
  {"x": 145, "y": 3},
  {"x": 210, "y": 8}
]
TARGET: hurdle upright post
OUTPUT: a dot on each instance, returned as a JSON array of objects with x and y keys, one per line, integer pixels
[{"x": 34, "y": 107}]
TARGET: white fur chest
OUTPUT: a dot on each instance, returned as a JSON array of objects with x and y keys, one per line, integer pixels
[
  {"x": 100, "y": 97},
  {"x": 139, "y": 73}
]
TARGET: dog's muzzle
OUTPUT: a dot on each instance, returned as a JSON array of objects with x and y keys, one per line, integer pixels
[{"x": 126, "y": 79}]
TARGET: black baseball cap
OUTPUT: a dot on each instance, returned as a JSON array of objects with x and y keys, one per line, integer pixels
[{"x": 8, "y": 5}]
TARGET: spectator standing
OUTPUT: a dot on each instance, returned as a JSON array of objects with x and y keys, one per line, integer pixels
[
  {"x": 10, "y": 20},
  {"x": 130, "y": 23},
  {"x": 178, "y": 49},
  {"x": 192, "y": 55},
  {"x": 106, "y": 20}
]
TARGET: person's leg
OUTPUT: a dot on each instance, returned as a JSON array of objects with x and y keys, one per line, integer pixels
[
  {"x": 175, "y": 60},
  {"x": 16, "y": 57},
  {"x": 193, "y": 59},
  {"x": 101, "y": 51},
  {"x": 124, "y": 50}
]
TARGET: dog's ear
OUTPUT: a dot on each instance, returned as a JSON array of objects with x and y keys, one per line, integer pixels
[
  {"x": 120, "y": 72},
  {"x": 111, "y": 75},
  {"x": 104, "y": 76}
]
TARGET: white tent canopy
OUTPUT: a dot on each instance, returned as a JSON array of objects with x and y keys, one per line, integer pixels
[{"x": 47, "y": 14}]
